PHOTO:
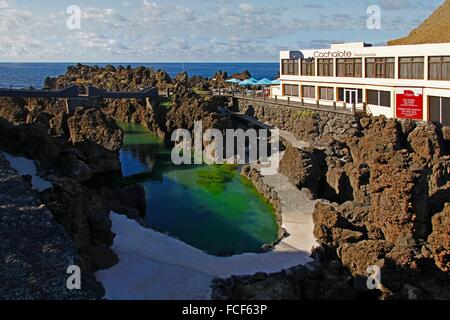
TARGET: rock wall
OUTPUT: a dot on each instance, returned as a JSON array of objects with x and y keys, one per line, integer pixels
[
  {"x": 35, "y": 251},
  {"x": 397, "y": 176},
  {"x": 305, "y": 124},
  {"x": 76, "y": 145},
  {"x": 69, "y": 150},
  {"x": 385, "y": 186},
  {"x": 85, "y": 216}
]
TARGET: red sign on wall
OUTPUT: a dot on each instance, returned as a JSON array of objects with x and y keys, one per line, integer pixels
[{"x": 409, "y": 105}]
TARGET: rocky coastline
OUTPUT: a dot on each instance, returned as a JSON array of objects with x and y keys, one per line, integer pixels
[
  {"x": 383, "y": 185},
  {"x": 73, "y": 150}
]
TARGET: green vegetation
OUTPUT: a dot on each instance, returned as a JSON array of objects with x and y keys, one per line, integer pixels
[
  {"x": 200, "y": 92},
  {"x": 215, "y": 177},
  {"x": 305, "y": 114},
  {"x": 166, "y": 103}
]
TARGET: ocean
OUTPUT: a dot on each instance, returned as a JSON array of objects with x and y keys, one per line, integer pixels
[{"x": 25, "y": 75}]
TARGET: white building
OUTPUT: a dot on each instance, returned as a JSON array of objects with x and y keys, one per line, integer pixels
[{"x": 408, "y": 81}]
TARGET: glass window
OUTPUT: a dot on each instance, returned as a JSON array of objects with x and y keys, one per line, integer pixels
[
  {"x": 380, "y": 68},
  {"x": 385, "y": 99},
  {"x": 309, "y": 92},
  {"x": 290, "y": 67},
  {"x": 445, "y": 107},
  {"x": 340, "y": 94},
  {"x": 372, "y": 97},
  {"x": 308, "y": 67},
  {"x": 434, "y": 106},
  {"x": 379, "y": 98},
  {"x": 439, "y": 68},
  {"x": 291, "y": 90},
  {"x": 325, "y": 67},
  {"x": 326, "y": 93},
  {"x": 411, "y": 67},
  {"x": 439, "y": 110},
  {"x": 349, "y": 67}
]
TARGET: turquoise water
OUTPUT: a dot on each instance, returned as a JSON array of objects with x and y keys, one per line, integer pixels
[{"x": 211, "y": 208}]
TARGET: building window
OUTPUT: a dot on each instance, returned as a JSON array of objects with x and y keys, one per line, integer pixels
[
  {"x": 411, "y": 68},
  {"x": 291, "y": 90},
  {"x": 439, "y": 68},
  {"x": 325, "y": 67},
  {"x": 308, "y": 67},
  {"x": 439, "y": 110},
  {"x": 349, "y": 67},
  {"x": 379, "y": 98},
  {"x": 380, "y": 68},
  {"x": 290, "y": 67},
  {"x": 309, "y": 92},
  {"x": 326, "y": 93}
]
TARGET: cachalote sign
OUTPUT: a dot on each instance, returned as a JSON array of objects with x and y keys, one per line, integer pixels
[{"x": 333, "y": 54}]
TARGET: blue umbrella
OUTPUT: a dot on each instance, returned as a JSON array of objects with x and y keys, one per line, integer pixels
[
  {"x": 246, "y": 83},
  {"x": 253, "y": 80},
  {"x": 264, "y": 82},
  {"x": 276, "y": 82},
  {"x": 233, "y": 81}
]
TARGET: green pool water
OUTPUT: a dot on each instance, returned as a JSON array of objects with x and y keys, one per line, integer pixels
[{"x": 211, "y": 208}]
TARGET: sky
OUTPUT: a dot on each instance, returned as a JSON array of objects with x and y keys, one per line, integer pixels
[{"x": 193, "y": 30}]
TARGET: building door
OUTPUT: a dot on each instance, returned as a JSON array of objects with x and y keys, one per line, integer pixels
[{"x": 350, "y": 96}]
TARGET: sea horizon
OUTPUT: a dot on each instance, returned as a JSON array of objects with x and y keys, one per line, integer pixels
[{"x": 32, "y": 74}]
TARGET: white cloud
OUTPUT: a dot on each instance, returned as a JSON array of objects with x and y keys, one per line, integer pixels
[
  {"x": 185, "y": 30},
  {"x": 148, "y": 4},
  {"x": 4, "y": 4},
  {"x": 248, "y": 8}
]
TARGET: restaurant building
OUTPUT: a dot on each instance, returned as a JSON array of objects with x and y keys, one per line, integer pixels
[{"x": 407, "y": 81}]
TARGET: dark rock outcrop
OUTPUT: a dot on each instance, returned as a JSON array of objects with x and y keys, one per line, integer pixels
[
  {"x": 85, "y": 216},
  {"x": 35, "y": 251},
  {"x": 85, "y": 142},
  {"x": 439, "y": 239},
  {"x": 387, "y": 183},
  {"x": 314, "y": 281},
  {"x": 389, "y": 220},
  {"x": 303, "y": 168}
]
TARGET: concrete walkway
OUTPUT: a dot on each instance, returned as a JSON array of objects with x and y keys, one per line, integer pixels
[{"x": 288, "y": 136}]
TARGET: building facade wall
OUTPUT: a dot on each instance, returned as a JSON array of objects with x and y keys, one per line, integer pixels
[{"x": 396, "y": 86}]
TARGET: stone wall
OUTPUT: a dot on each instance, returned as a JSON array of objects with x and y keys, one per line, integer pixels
[{"x": 305, "y": 124}]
